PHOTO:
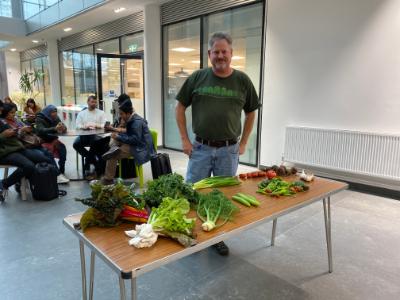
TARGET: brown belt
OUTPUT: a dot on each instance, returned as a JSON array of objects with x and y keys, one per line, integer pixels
[{"x": 216, "y": 144}]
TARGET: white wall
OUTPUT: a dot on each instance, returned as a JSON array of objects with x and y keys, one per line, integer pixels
[
  {"x": 330, "y": 64},
  {"x": 13, "y": 68}
]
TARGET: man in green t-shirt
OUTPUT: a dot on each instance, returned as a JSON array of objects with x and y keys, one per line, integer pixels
[{"x": 217, "y": 96}]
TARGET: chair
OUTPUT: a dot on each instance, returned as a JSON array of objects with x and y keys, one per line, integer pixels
[
  {"x": 24, "y": 181},
  {"x": 139, "y": 169}
]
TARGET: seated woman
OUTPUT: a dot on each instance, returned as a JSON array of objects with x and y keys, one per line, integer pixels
[
  {"x": 136, "y": 142},
  {"x": 48, "y": 124},
  {"x": 13, "y": 152},
  {"x": 32, "y": 142},
  {"x": 31, "y": 110}
]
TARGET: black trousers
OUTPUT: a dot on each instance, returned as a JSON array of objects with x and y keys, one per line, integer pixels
[
  {"x": 25, "y": 161},
  {"x": 98, "y": 146}
]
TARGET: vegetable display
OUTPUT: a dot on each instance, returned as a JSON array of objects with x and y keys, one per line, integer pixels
[
  {"x": 107, "y": 203},
  {"x": 168, "y": 219},
  {"x": 246, "y": 200},
  {"x": 216, "y": 181},
  {"x": 214, "y": 207},
  {"x": 278, "y": 187},
  {"x": 170, "y": 185}
]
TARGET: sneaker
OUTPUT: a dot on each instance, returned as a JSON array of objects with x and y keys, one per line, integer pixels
[
  {"x": 113, "y": 152},
  {"x": 62, "y": 179},
  {"x": 1, "y": 192},
  {"x": 221, "y": 248}
]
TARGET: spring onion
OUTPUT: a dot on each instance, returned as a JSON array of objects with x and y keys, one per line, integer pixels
[{"x": 216, "y": 181}]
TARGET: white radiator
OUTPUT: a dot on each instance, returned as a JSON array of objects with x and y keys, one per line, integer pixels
[{"x": 356, "y": 152}]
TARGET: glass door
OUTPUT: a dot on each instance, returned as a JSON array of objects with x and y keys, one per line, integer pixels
[{"x": 119, "y": 74}]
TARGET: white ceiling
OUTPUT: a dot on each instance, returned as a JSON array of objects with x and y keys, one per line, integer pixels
[{"x": 91, "y": 18}]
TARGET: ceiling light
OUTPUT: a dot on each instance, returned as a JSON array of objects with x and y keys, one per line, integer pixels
[
  {"x": 235, "y": 57},
  {"x": 67, "y": 29},
  {"x": 173, "y": 64},
  {"x": 195, "y": 61},
  {"x": 119, "y": 9},
  {"x": 183, "y": 49},
  {"x": 35, "y": 41},
  {"x": 99, "y": 49},
  {"x": 13, "y": 49}
]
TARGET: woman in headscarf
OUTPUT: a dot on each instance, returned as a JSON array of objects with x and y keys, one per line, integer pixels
[{"x": 48, "y": 124}]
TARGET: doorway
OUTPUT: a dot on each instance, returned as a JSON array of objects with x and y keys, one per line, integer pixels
[{"x": 119, "y": 74}]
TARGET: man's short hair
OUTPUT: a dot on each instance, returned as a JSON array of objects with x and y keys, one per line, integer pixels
[
  {"x": 126, "y": 106},
  {"x": 121, "y": 99},
  {"x": 91, "y": 97},
  {"x": 216, "y": 36}
]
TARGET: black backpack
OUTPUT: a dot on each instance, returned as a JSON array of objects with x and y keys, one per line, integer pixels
[
  {"x": 44, "y": 185},
  {"x": 160, "y": 165}
]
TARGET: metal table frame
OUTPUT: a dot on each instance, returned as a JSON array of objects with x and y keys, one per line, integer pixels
[{"x": 187, "y": 251}]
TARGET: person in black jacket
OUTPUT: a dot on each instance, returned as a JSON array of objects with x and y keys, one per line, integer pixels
[
  {"x": 48, "y": 124},
  {"x": 136, "y": 142}
]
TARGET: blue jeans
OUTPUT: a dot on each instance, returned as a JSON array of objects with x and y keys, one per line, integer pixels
[{"x": 206, "y": 160}]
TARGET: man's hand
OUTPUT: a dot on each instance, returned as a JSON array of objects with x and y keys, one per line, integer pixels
[
  {"x": 114, "y": 135},
  {"x": 9, "y": 133},
  {"x": 187, "y": 147},
  {"x": 242, "y": 148}
]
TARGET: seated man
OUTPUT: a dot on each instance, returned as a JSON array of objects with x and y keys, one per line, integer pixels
[
  {"x": 90, "y": 118},
  {"x": 48, "y": 124},
  {"x": 136, "y": 142}
]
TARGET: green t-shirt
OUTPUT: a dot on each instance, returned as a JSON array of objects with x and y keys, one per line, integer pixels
[{"x": 217, "y": 103}]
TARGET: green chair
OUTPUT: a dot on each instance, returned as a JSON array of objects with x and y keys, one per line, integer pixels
[{"x": 139, "y": 169}]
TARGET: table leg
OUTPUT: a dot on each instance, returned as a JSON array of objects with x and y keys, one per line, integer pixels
[
  {"x": 91, "y": 282},
  {"x": 133, "y": 288},
  {"x": 327, "y": 217},
  {"x": 122, "y": 288},
  {"x": 83, "y": 269},
  {"x": 273, "y": 232}
]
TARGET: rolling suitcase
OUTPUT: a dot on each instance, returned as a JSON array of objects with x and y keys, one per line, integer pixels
[{"x": 160, "y": 165}]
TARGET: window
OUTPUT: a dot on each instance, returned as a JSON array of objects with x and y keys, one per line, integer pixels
[
  {"x": 181, "y": 58},
  {"x": 46, "y": 81},
  {"x": 132, "y": 43},
  {"x": 110, "y": 47},
  {"x": 245, "y": 26},
  {"x": 41, "y": 90},
  {"x": 84, "y": 73},
  {"x": 67, "y": 78},
  {"x": 5, "y": 8},
  {"x": 39, "y": 96}
]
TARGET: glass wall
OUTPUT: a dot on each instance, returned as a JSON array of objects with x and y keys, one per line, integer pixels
[
  {"x": 84, "y": 73},
  {"x": 42, "y": 90},
  {"x": 181, "y": 57},
  {"x": 78, "y": 67},
  {"x": 132, "y": 43},
  {"x": 33, "y": 7}
]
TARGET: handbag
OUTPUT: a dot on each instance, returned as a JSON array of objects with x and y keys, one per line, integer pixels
[{"x": 30, "y": 140}]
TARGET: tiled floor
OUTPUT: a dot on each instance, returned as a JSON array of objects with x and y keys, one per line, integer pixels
[{"x": 39, "y": 258}]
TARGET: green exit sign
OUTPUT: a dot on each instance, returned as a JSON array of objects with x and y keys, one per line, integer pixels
[{"x": 133, "y": 48}]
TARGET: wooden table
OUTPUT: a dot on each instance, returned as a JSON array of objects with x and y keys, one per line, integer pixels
[{"x": 111, "y": 244}]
